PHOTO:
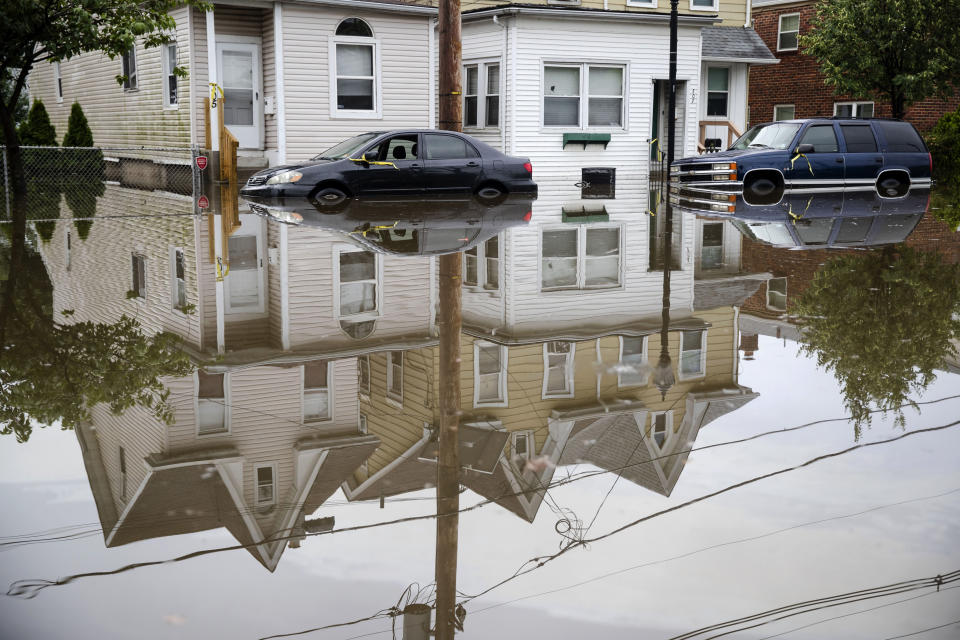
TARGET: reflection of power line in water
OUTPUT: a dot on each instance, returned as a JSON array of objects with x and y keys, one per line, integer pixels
[{"x": 141, "y": 215}]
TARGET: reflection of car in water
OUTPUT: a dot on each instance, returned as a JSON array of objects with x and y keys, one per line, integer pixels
[
  {"x": 405, "y": 163},
  {"x": 407, "y": 226},
  {"x": 830, "y": 153},
  {"x": 840, "y": 219}
]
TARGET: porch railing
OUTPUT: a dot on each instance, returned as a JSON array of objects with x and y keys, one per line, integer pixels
[{"x": 732, "y": 133}]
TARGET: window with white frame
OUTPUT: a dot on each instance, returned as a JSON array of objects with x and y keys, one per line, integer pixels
[
  {"x": 649, "y": 4},
  {"x": 489, "y": 373},
  {"x": 138, "y": 285},
  {"x": 355, "y": 69},
  {"x": 363, "y": 374},
  {"x": 362, "y": 423},
  {"x": 128, "y": 66},
  {"x": 521, "y": 447},
  {"x": 178, "y": 269},
  {"x": 718, "y": 91},
  {"x": 169, "y": 64},
  {"x": 558, "y": 368},
  {"x": 777, "y": 294},
  {"x": 703, "y": 5},
  {"x": 661, "y": 428},
  {"x": 211, "y": 403},
  {"x": 564, "y": 85},
  {"x": 57, "y": 81},
  {"x": 358, "y": 283},
  {"x": 481, "y": 95},
  {"x": 633, "y": 362},
  {"x": 784, "y": 112},
  {"x": 481, "y": 264},
  {"x": 580, "y": 257},
  {"x": 693, "y": 353},
  {"x": 123, "y": 474},
  {"x": 316, "y": 391},
  {"x": 853, "y": 109},
  {"x": 266, "y": 485},
  {"x": 395, "y": 375},
  {"x": 711, "y": 247},
  {"x": 788, "y": 32}
]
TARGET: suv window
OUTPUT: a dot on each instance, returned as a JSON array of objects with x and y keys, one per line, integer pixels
[
  {"x": 901, "y": 136},
  {"x": 822, "y": 137},
  {"x": 397, "y": 148},
  {"x": 441, "y": 147},
  {"x": 859, "y": 138}
]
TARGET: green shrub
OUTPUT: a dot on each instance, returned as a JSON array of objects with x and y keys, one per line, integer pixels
[
  {"x": 78, "y": 131},
  {"x": 944, "y": 143},
  {"x": 86, "y": 163},
  {"x": 36, "y": 130}
]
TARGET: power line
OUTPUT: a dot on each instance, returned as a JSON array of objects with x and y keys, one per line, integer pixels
[{"x": 916, "y": 633}]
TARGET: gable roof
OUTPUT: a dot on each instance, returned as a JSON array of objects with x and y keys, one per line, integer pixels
[{"x": 735, "y": 44}]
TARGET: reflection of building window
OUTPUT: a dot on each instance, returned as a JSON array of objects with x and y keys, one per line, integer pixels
[
  {"x": 316, "y": 392},
  {"x": 363, "y": 374},
  {"x": 358, "y": 276},
  {"x": 692, "y": 353},
  {"x": 139, "y": 280},
  {"x": 179, "y": 273},
  {"x": 777, "y": 294},
  {"x": 718, "y": 88},
  {"x": 489, "y": 373},
  {"x": 123, "y": 474},
  {"x": 784, "y": 112},
  {"x": 661, "y": 428},
  {"x": 362, "y": 424},
  {"x": 211, "y": 403},
  {"x": 558, "y": 369},
  {"x": 580, "y": 258},
  {"x": 69, "y": 248},
  {"x": 711, "y": 250},
  {"x": 395, "y": 375},
  {"x": 633, "y": 359},
  {"x": 521, "y": 447},
  {"x": 355, "y": 70},
  {"x": 481, "y": 264},
  {"x": 266, "y": 487}
]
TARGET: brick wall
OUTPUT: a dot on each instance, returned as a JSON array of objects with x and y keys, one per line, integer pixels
[{"x": 797, "y": 79}]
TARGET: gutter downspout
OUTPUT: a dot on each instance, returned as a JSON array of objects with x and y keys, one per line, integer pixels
[
  {"x": 749, "y": 12},
  {"x": 432, "y": 73},
  {"x": 214, "y": 144},
  {"x": 281, "y": 113},
  {"x": 504, "y": 82}
]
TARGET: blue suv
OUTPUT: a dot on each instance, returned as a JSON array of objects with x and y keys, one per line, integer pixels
[{"x": 811, "y": 155}]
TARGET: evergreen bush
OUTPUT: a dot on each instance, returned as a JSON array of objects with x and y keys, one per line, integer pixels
[
  {"x": 36, "y": 130},
  {"x": 944, "y": 143},
  {"x": 85, "y": 162}
]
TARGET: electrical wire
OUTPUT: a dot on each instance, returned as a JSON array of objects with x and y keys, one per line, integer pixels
[{"x": 916, "y": 633}]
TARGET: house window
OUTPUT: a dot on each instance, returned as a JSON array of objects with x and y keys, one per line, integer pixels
[
  {"x": 649, "y": 4},
  {"x": 58, "y": 81},
  {"x": 363, "y": 374},
  {"x": 481, "y": 264},
  {"x": 558, "y": 369},
  {"x": 211, "y": 403},
  {"x": 580, "y": 257},
  {"x": 489, "y": 373},
  {"x": 711, "y": 250},
  {"x": 788, "y": 32},
  {"x": 362, "y": 424},
  {"x": 853, "y": 109},
  {"x": 123, "y": 474},
  {"x": 266, "y": 487},
  {"x": 139, "y": 280},
  {"x": 718, "y": 85},
  {"x": 471, "y": 86},
  {"x": 355, "y": 66},
  {"x": 491, "y": 110},
  {"x": 563, "y": 86},
  {"x": 316, "y": 392},
  {"x": 661, "y": 428},
  {"x": 598, "y": 182},
  {"x": 633, "y": 360},
  {"x": 169, "y": 52},
  {"x": 179, "y": 288},
  {"x": 777, "y": 294},
  {"x": 692, "y": 353},
  {"x": 784, "y": 112},
  {"x": 395, "y": 375},
  {"x": 521, "y": 447},
  {"x": 481, "y": 95},
  {"x": 703, "y": 5},
  {"x": 129, "y": 68},
  {"x": 358, "y": 284}
]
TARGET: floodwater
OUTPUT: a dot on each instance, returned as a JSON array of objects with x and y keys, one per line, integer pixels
[{"x": 249, "y": 401}]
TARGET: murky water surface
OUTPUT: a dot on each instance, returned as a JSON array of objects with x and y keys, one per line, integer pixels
[{"x": 223, "y": 422}]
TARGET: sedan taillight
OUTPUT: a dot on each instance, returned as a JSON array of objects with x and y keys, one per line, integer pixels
[
  {"x": 528, "y": 167},
  {"x": 527, "y": 217}
]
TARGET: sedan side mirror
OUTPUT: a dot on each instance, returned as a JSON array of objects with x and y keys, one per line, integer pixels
[
  {"x": 362, "y": 160},
  {"x": 805, "y": 149}
]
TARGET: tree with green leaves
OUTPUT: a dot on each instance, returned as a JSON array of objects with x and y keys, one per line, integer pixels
[
  {"x": 899, "y": 50},
  {"x": 881, "y": 322},
  {"x": 56, "y": 371},
  {"x": 37, "y": 130},
  {"x": 22, "y": 105},
  {"x": 78, "y": 130}
]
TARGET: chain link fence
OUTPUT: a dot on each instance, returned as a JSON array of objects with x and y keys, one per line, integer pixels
[{"x": 67, "y": 181}]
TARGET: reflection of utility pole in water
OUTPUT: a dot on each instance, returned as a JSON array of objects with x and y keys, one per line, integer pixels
[{"x": 448, "y": 458}]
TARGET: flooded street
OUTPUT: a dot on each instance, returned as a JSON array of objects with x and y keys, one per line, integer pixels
[{"x": 249, "y": 398}]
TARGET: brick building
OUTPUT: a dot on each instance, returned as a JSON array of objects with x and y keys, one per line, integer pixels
[{"x": 795, "y": 88}]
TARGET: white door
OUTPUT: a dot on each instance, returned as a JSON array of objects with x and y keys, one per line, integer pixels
[
  {"x": 245, "y": 282},
  {"x": 238, "y": 68}
]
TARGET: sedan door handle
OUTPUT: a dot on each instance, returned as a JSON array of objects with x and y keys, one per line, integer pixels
[
  {"x": 473, "y": 164},
  {"x": 839, "y": 160},
  {"x": 415, "y": 165}
]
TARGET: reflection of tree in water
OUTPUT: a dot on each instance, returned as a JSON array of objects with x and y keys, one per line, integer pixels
[{"x": 881, "y": 322}]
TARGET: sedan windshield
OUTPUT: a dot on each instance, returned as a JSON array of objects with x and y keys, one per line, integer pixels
[
  {"x": 768, "y": 136},
  {"x": 346, "y": 148}
]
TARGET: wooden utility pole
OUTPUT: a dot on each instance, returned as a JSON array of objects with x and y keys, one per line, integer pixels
[{"x": 449, "y": 321}]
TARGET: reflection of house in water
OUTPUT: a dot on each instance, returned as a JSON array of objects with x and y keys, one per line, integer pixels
[
  {"x": 559, "y": 322},
  {"x": 266, "y": 432}
]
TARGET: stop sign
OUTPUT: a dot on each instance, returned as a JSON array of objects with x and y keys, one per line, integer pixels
[
  {"x": 201, "y": 162},
  {"x": 203, "y": 202}
]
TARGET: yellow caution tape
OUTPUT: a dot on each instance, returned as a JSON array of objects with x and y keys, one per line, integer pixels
[
  {"x": 794, "y": 217},
  {"x": 379, "y": 227},
  {"x": 653, "y": 210},
  {"x": 214, "y": 91},
  {"x": 222, "y": 269},
  {"x": 656, "y": 141},
  {"x": 800, "y": 155},
  {"x": 387, "y": 164}
]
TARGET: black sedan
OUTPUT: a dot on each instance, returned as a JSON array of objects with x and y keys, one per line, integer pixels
[{"x": 405, "y": 163}]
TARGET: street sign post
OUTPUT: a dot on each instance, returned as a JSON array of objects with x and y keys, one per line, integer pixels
[
  {"x": 201, "y": 162},
  {"x": 203, "y": 202}
]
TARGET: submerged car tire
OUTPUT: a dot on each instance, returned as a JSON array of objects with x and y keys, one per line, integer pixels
[
  {"x": 763, "y": 189},
  {"x": 491, "y": 194},
  {"x": 330, "y": 197},
  {"x": 893, "y": 185}
]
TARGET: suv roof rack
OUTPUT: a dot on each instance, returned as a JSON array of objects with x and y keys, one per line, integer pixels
[{"x": 859, "y": 118}]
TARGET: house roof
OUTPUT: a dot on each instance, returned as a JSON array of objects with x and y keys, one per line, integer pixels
[
  {"x": 735, "y": 44},
  {"x": 581, "y": 13},
  {"x": 648, "y": 325}
]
